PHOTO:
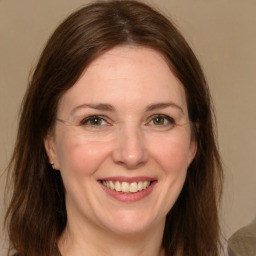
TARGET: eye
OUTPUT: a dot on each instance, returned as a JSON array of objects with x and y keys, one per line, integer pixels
[
  {"x": 162, "y": 120},
  {"x": 93, "y": 121}
]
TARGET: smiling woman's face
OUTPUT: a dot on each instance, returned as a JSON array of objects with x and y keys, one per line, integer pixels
[{"x": 123, "y": 142}]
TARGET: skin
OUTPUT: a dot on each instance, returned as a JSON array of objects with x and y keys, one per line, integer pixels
[{"x": 130, "y": 142}]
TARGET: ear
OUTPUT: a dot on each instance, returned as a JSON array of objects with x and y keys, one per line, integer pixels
[
  {"x": 193, "y": 143},
  {"x": 192, "y": 150},
  {"x": 50, "y": 148}
]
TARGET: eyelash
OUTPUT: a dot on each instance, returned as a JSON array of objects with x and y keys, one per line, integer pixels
[
  {"x": 170, "y": 120},
  {"x": 87, "y": 120}
]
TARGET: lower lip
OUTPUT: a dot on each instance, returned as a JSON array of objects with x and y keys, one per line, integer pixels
[{"x": 129, "y": 197}]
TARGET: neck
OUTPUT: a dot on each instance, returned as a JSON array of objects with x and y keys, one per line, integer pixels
[{"x": 99, "y": 242}]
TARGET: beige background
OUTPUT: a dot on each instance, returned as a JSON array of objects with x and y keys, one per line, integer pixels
[{"x": 223, "y": 36}]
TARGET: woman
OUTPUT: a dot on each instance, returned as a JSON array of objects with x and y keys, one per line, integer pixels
[{"x": 116, "y": 150}]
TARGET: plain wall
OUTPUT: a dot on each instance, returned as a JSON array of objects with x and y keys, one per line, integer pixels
[{"x": 222, "y": 35}]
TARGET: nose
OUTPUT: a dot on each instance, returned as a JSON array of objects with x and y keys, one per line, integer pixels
[{"x": 130, "y": 150}]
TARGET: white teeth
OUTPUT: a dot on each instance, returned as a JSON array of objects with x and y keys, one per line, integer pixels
[
  {"x": 140, "y": 187},
  {"x": 111, "y": 185},
  {"x": 145, "y": 184},
  {"x": 126, "y": 187},
  {"x": 133, "y": 187},
  {"x": 117, "y": 186}
]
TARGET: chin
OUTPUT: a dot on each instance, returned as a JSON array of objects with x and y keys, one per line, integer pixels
[{"x": 130, "y": 223}]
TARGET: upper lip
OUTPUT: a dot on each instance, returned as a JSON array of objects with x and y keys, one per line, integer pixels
[{"x": 128, "y": 179}]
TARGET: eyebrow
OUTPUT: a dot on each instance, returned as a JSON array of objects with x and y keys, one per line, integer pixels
[
  {"x": 164, "y": 105},
  {"x": 107, "y": 107}
]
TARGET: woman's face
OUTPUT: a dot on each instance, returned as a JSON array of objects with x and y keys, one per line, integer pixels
[{"x": 125, "y": 144}]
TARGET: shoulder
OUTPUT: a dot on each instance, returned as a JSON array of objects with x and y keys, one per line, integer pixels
[{"x": 243, "y": 242}]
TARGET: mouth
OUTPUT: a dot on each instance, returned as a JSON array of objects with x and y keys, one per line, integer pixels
[{"x": 126, "y": 187}]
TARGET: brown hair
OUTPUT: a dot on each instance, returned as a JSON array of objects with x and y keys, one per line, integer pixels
[{"x": 36, "y": 216}]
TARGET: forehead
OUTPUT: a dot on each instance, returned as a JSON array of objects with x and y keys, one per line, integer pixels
[{"x": 126, "y": 75}]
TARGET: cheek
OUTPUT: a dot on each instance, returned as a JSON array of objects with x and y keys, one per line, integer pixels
[
  {"x": 172, "y": 154},
  {"x": 81, "y": 157}
]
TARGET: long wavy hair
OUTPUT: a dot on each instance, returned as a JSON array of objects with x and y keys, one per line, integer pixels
[{"x": 36, "y": 216}]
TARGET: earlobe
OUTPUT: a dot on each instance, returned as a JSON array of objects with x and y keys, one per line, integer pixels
[{"x": 50, "y": 149}]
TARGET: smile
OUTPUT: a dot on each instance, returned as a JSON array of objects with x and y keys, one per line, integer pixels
[{"x": 126, "y": 187}]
